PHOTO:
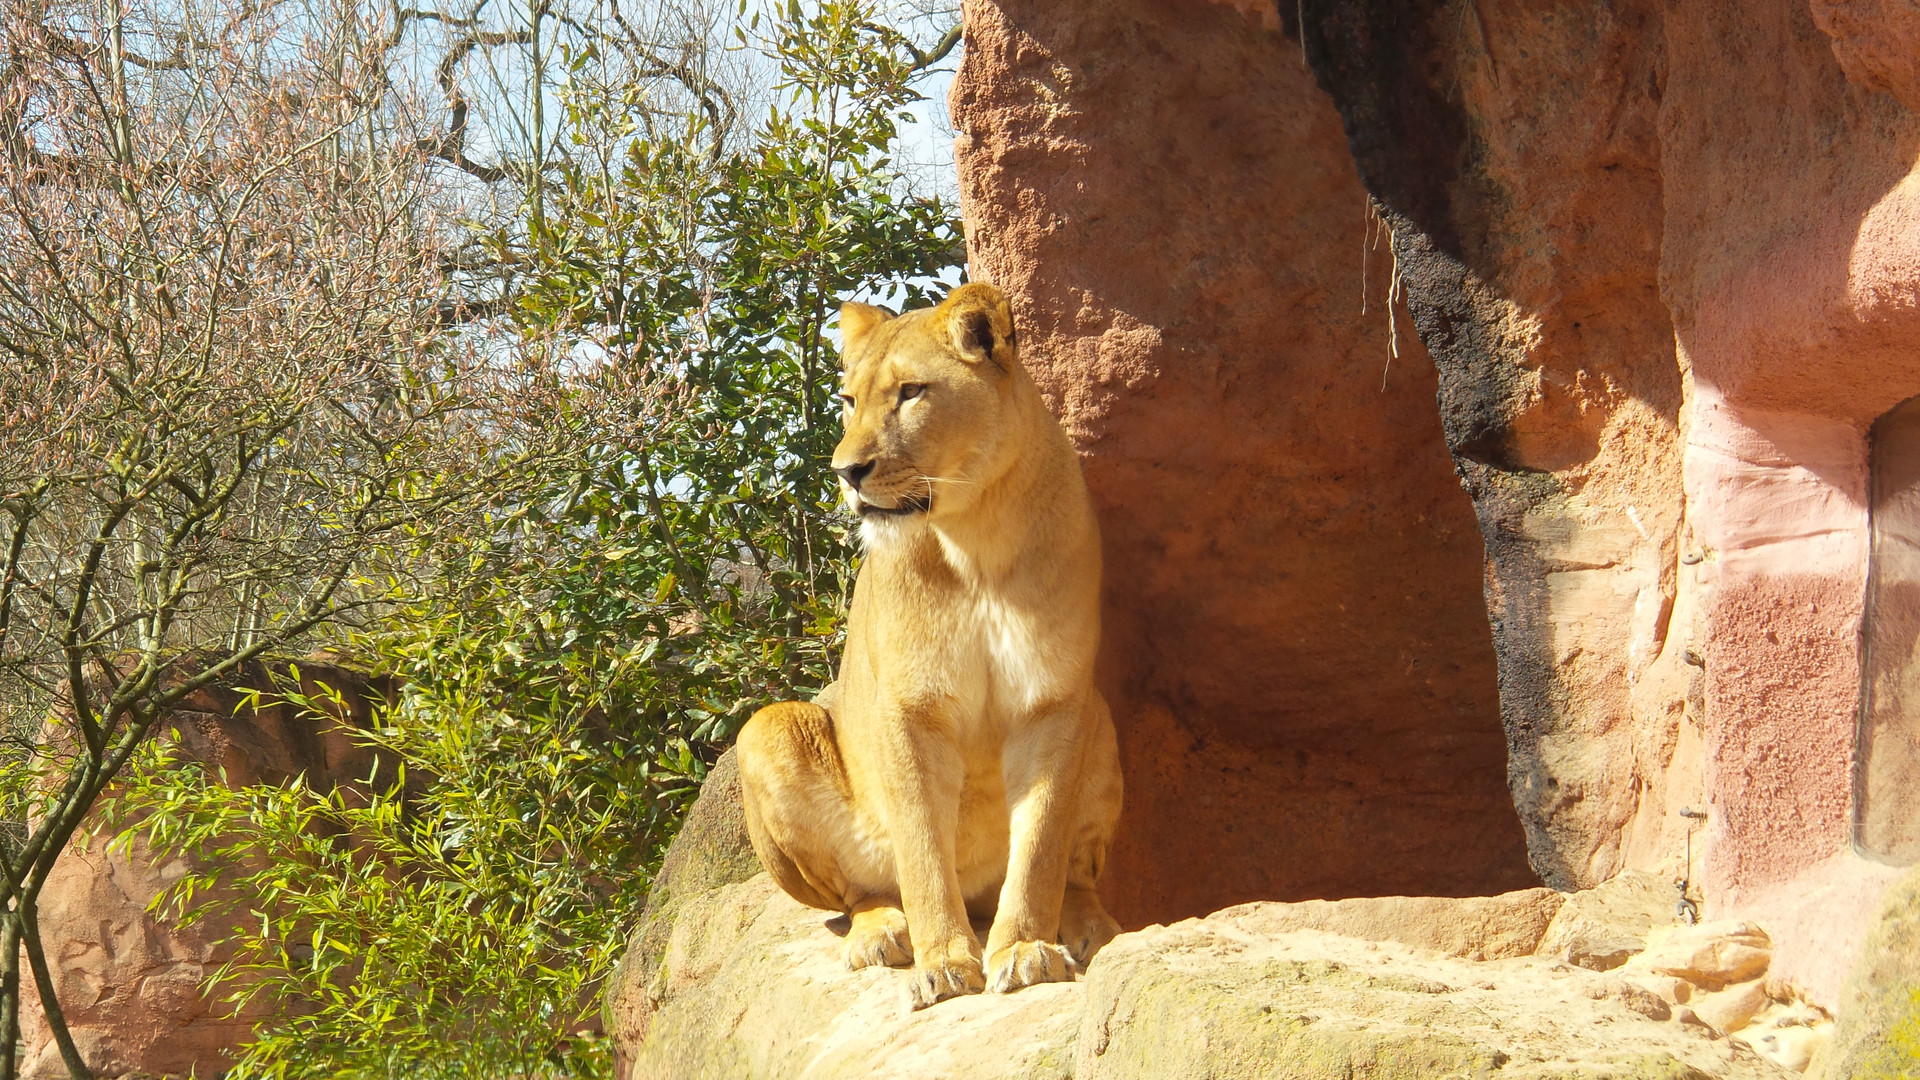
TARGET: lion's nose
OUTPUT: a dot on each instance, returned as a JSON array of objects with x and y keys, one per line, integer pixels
[{"x": 853, "y": 474}]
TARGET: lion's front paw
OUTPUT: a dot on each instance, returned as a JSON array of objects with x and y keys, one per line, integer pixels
[
  {"x": 1023, "y": 963},
  {"x": 1085, "y": 926},
  {"x": 954, "y": 972},
  {"x": 878, "y": 938}
]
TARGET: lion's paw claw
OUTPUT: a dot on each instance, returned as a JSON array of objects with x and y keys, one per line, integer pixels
[
  {"x": 943, "y": 979},
  {"x": 1024, "y": 963}
]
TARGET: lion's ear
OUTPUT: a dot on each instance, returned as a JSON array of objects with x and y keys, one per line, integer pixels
[
  {"x": 980, "y": 324},
  {"x": 856, "y": 322}
]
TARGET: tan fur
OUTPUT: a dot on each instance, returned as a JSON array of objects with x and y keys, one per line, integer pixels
[{"x": 963, "y": 765}]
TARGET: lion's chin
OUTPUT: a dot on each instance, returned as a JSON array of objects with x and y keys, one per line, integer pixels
[{"x": 880, "y": 526}]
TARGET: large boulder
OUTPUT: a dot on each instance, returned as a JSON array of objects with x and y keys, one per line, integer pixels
[
  {"x": 1603, "y": 927},
  {"x": 710, "y": 851},
  {"x": 1216, "y": 997},
  {"x": 751, "y": 984}
]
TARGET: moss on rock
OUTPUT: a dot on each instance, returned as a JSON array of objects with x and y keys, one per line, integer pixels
[
  {"x": 711, "y": 850},
  {"x": 1877, "y": 1036}
]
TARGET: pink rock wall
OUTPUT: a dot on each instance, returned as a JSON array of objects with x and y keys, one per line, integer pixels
[{"x": 1791, "y": 263}]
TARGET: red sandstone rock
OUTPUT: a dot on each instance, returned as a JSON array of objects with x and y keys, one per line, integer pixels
[
  {"x": 1877, "y": 43},
  {"x": 1793, "y": 251},
  {"x": 129, "y": 982},
  {"x": 1297, "y": 649},
  {"x": 1527, "y": 215},
  {"x": 1767, "y": 170},
  {"x": 1667, "y": 299}
]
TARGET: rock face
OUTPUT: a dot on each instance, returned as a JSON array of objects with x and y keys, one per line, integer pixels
[
  {"x": 1878, "y": 1036},
  {"x": 1671, "y": 316},
  {"x": 1526, "y": 214},
  {"x": 752, "y": 985},
  {"x": 1297, "y": 650},
  {"x": 1674, "y": 308},
  {"x": 1669, "y": 300},
  {"x": 129, "y": 982},
  {"x": 711, "y": 850}
]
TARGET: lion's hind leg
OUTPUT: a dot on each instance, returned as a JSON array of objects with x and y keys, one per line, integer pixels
[
  {"x": 1085, "y": 926},
  {"x": 799, "y": 810},
  {"x": 878, "y": 935}
]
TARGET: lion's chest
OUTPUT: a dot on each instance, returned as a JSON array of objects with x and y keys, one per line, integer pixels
[
  {"x": 993, "y": 655},
  {"x": 1007, "y": 664}
]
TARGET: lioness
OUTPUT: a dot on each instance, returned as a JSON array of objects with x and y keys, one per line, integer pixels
[{"x": 963, "y": 764}]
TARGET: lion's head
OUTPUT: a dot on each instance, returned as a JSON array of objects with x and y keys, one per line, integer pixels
[{"x": 928, "y": 404}]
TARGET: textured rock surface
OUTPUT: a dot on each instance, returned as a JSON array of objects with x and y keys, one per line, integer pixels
[
  {"x": 1878, "y": 1033},
  {"x": 1877, "y": 43},
  {"x": 1792, "y": 359},
  {"x": 1603, "y": 927},
  {"x": 1668, "y": 301},
  {"x": 1819, "y": 921},
  {"x": 1297, "y": 647},
  {"x": 1472, "y": 928},
  {"x": 129, "y": 983},
  {"x": 711, "y": 850},
  {"x": 1709, "y": 955},
  {"x": 1526, "y": 210},
  {"x": 1211, "y": 998},
  {"x": 753, "y": 986},
  {"x": 1789, "y": 1034}
]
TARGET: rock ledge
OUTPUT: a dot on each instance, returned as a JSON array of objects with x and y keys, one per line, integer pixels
[{"x": 751, "y": 984}]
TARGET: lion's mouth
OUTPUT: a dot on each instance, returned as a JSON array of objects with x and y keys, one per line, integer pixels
[{"x": 914, "y": 504}]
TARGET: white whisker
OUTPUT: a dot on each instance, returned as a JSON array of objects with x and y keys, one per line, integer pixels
[{"x": 945, "y": 480}]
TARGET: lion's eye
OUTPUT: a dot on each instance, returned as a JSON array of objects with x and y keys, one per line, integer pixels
[{"x": 909, "y": 391}]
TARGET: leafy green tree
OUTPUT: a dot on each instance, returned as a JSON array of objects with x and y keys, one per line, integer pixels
[
  {"x": 727, "y": 508},
  {"x": 586, "y": 658}
]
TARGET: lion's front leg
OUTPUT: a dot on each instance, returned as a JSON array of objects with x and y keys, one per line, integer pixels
[
  {"x": 1041, "y": 763},
  {"x": 921, "y": 787}
]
